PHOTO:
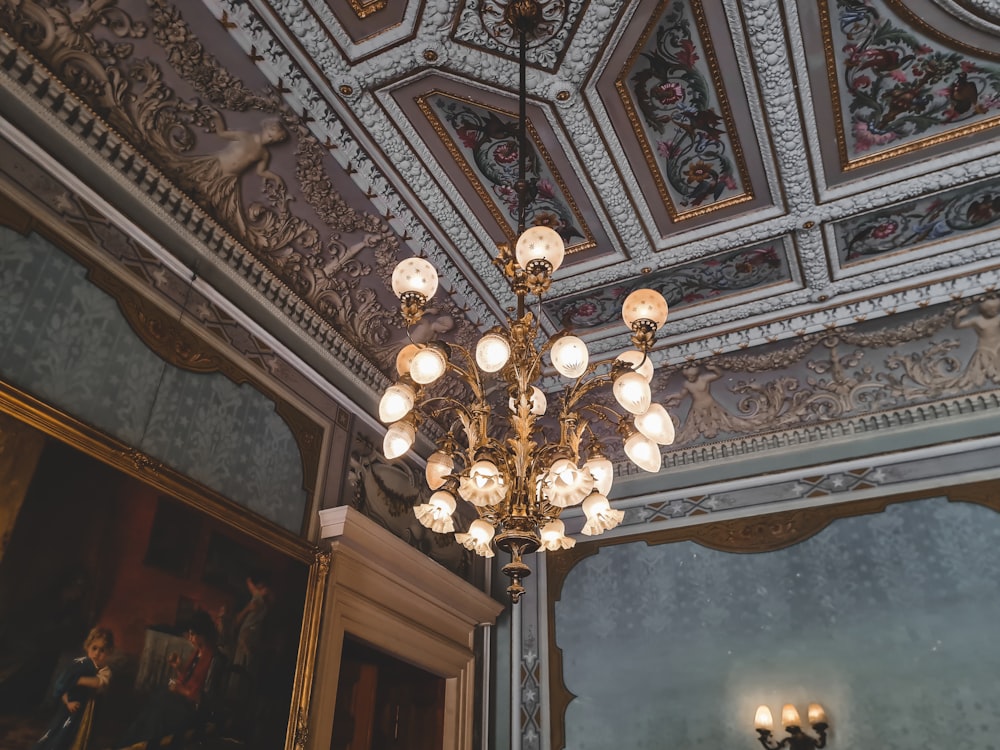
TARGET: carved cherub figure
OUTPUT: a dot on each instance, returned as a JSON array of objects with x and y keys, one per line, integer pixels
[{"x": 984, "y": 364}]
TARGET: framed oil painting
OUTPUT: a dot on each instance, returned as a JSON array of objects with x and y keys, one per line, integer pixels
[{"x": 133, "y": 618}]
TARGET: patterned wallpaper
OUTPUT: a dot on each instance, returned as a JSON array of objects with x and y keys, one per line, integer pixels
[
  {"x": 886, "y": 620},
  {"x": 66, "y": 342}
]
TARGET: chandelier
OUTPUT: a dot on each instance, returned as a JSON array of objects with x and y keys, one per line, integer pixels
[{"x": 499, "y": 457}]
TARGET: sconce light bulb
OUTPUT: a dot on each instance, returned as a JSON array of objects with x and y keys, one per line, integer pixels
[
  {"x": 790, "y": 716},
  {"x": 763, "y": 719}
]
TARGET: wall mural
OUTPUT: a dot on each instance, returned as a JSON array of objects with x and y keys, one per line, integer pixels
[
  {"x": 881, "y": 618},
  {"x": 688, "y": 284},
  {"x": 899, "y": 86},
  {"x": 685, "y": 124},
  {"x": 194, "y": 121},
  {"x": 909, "y": 361},
  {"x": 485, "y": 143},
  {"x": 969, "y": 208}
]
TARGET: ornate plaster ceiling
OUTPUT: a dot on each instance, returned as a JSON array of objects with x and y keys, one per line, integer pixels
[{"x": 776, "y": 169}]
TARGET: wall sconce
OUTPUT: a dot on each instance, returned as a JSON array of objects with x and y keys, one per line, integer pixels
[{"x": 796, "y": 739}]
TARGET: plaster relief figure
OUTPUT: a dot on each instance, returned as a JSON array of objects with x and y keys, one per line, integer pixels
[
  {"x": 216, "y": 177},
  {"x": 985, "y": 362},
  {"x": 706, "y": 417}
]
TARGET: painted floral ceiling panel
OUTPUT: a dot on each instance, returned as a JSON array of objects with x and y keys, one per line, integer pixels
[{"x": 685, "y": 125}]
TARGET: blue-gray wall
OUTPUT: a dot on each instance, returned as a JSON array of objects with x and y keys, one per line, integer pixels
[
  {"x": 890, "y": 621},
  {"x": 66, "y": 342}
]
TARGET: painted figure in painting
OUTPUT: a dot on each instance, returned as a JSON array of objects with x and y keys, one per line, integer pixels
[
  {"x": 985, "y": 362},
  {"x": 251, "y": 626},
  {"x": 76, "y": 688},
  {"x": 174, "y": 708}
]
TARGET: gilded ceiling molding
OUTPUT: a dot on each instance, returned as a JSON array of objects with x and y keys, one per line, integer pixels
[
  {"x": 364, "y": 8},
  {"x": 763, "y": 533}
]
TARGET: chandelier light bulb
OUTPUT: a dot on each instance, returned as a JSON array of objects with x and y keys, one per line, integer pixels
[
  {"x": 600, "y": 515},
  {"x": 405, "y": 357},
  {"x": 603, "y": 472},
  {"x": 566, "y": 484},
  {"x": 790, "y": 716},
  {"x": 439, "y": 467},
  {"x": 540, "y": 243},
  {"x": 816, "y": 714},
  {"x": 553, "y": 535},
  {"x": 414, "y": 276},
  {"x": 537, "y": 402},
  {"x": 435, "y": 514},
  {"x": 643, "y": 452},
  {"x": 570, "y": 356},
  {"x": 492, "y": 352},
  {"x": 644, "y": 304},
  {"x": 639, "y": 361},
  {"x": 427, "y": 365},
  {"x": 763, "y": 719},
  {"x": 484, "y": 485},
  {"x": 632, "y": 392},
  {"x": 396, "y": 403},
  {"x": 656, "y": 424},
  {"x": 478, "y": 539},
  {"x": 398, "y": 440}
]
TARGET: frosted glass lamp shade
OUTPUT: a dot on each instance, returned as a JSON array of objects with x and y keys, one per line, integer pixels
[
  {"x": 414, "y": 275},
  {"x": 644, "y": 304},
  {"x": 478, "y": 539},
  {"x": 435, "y": 514},
  {"x": 567, "y": 484},
  {"x": 553, "y": 535},
  {"x": 537, "y": 402},
  {"x": 789, "y": 716},
  {"x": 639, "y": 361},
  {"x": 492, "y": 352},
  {"x": 656, "y": 424},
  {"x": 396, "y": 403},
  {"x": 603, "y": 472},
  {"x": 540, "y": 243},
  {"x": 570, "y": 356},
  {"x": 484, "y": 485},
  {"x": 643, "y": 452},
  {"x": 816, "y": 714},
  {"x": 600, "y": 515},
  {"x": 405, "y": 357},
  {"x": 763, "y": 719},
  {"x": 439, "y": 467},
  {"x": 632, "y": 392},
  {"x": 398, "y": 440},
  {"x": 427, "y": 365}
]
